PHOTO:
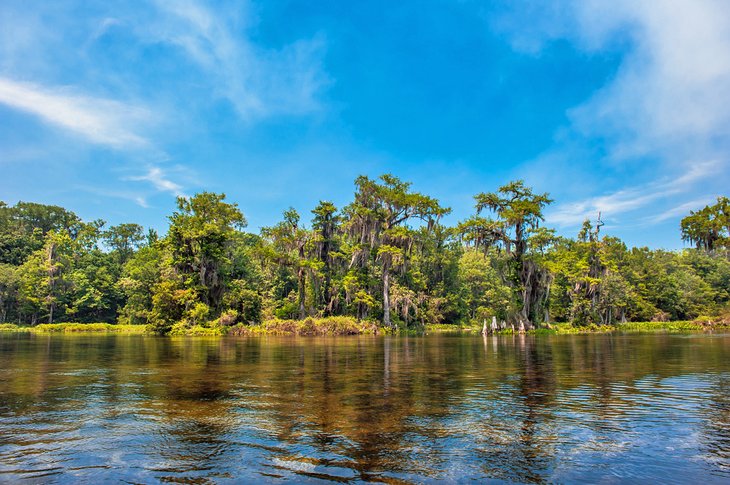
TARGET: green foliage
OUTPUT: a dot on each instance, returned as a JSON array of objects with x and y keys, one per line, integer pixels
[
  {"x": 339, "y": 325},
  {"x": 708, "y": 228},
  {"x": 516, "y": 231},
  {"x": 75, "y": 328},
  {"x": 385, "y": 257}
]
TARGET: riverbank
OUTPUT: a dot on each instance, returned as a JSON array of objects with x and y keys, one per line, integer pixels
[
  {"x": 74, "y": 328},
  {"x": 341, "y": 326},
  {"x": 312, "y": 327},
  {"x": 308, "y": 327},
  {"x": 570, "y": 329}
]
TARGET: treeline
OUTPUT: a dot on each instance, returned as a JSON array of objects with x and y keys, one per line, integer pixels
[{"x": 386, "y": 256}]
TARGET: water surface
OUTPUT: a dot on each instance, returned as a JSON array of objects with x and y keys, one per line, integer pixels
[{"x": 140, "y": 409}]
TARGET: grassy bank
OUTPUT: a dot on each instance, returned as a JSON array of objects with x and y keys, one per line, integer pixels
[
  {"x": 350, "y": 326},
  {"x": 306, "y": 327},
  {"x": 312, "y": 327},
  {"x": 570, "y": 329},
  {"x": 74, "y": 328}
]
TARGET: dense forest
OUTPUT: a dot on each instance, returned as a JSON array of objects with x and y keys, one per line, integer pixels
[{"x": 386, "y": 256}]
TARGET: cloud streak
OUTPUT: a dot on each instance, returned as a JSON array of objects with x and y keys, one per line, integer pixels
[
  {"x": 102, "y": 121},
  {"x": 614, "y": 205},
  {"x": 258, "y": 82},
  {"x": 159, "y": 181}
]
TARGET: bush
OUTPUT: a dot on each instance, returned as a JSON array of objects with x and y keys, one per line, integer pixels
[
  {"x": 339, "y": 325},
  {"x": 180, "y": 329}
]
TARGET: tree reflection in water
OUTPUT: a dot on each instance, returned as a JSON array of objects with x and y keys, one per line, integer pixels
[{"x": 447, "y": 407}]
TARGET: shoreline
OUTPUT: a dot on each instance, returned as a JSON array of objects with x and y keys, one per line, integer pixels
[{"x": 345, "y": 326}]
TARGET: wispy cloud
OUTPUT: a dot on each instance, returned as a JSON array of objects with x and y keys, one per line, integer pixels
[
  {"x": 160, "y": 181},
  {"x": 99, "y": 120},
  {"x": 258, "y": 82},
  {"x": 682, "y": 209},
  {"x": 672, "y": 87},
  {"x": 135, "y": 197},
  {"x": 671, "y": 94},
  {"x": 614, "y": 205},
  {"x": 666, "y": 106}
]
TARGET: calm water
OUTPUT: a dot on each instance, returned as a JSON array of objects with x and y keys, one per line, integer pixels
[{"x": 397, "y": 410}]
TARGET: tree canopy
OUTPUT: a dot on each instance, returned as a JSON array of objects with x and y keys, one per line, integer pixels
[{"x": 385, "y": 256}]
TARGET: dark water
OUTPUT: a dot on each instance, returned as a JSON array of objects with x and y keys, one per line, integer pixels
[{"x": 436, "y": 408}]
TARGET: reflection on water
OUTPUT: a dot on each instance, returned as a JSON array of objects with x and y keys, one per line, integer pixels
[{"x": 606, "y": 408}]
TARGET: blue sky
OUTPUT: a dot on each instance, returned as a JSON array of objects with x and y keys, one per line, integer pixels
[{"x": 112, "y": 108}]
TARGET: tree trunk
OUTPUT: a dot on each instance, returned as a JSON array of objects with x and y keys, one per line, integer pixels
[
  {"x": 386, "y": 297},
  {"x": 302, "y": 311},
  {"x": 51, "y": 282}
]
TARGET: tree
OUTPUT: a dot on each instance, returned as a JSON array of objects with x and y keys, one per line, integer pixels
[
  {"x": 325, "y": 232},
  {"x": 289, "y": 242},
  {"x": 23, "y": 228},
  {"x": 95, "y": 295},
  {"x": 124, "y": 240},
  {"x": 45, "y": 276},
  {"x": 139, "y": 276},
  {"x": 708, "y": 228},
  {"x": 199, "y": 243},
  {"x": 482, "y": 289},
  {"x": 519, "y": 213},
  {"x": 377, "y": 224},
  {"x": 9, "y": 281}
]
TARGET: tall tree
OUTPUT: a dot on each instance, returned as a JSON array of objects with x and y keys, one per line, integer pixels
[
  {"x": 199, "y": 241},
  {"x": 377, "y": 223},
  {"x": 325, "y": 228},
  {"x": 45, "y": 276},
  {"x": 9, "y": 280},
  {"x": 708, "y": 228},
  {"x": 518, "y": 212},
  {"x": 289, "y": 241}
]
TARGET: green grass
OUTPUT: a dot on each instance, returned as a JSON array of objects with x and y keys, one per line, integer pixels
[
  {"x": 75, "y": 328},
  {"x": 198, "y": 331},
  {"x": 447, "y": 327},
  {"x": 679, "y": 326},
  {"x": 570, "y": 329},
  {"x": 312, "y": 327},
  {"x": 350, "y": 326},
  {"x": 634, "y": 327}
]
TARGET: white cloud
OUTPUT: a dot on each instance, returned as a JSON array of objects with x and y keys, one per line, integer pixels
[
  {"x": 671, "y": 94},
  {"x": 614, "y": 205},
  {"x": 99, "y": 120},
  {"x": 666, "y": 106},
  {"x": 682, "y": 209},
  {"x": 258, "y": 82},
  {"x": 160, "y": 181},
  {"x": 135, "y": 197}
]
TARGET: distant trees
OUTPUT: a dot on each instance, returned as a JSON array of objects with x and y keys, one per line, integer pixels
[
  {"x": 385, "y": 256},
  {"x": 124, "y": 240}
]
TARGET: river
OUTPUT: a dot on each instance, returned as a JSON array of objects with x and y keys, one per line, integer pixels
[{"x": 433, "y": 408}]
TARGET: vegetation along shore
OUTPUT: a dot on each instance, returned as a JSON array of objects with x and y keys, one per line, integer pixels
[{"x": 385, "y": 262}]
